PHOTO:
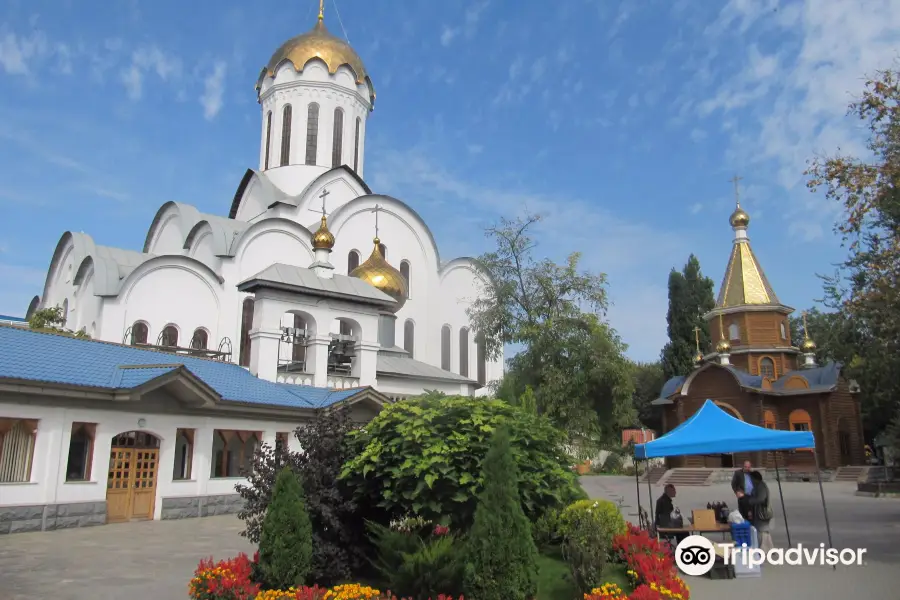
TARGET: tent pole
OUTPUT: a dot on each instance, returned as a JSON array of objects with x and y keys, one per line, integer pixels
[
  {"x": 781, "y": 493},
  {"x": 822, "y": 493},
  {"x": 637, "y": 485},
  {"x": 650, "y": 497}
]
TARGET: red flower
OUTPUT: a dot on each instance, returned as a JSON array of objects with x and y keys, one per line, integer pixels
[{"x": 441, "y": 530}]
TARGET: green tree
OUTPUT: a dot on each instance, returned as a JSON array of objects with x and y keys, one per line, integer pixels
[
  {"x": 53, "y": 320},
  {"x": 648, "y": 382},
  {"x": 285, "y": 542},
  {"x": 501, "y": 557},
  {"x": 866, "y": 288},
  {"x": 690, "y": 297},
  {"x": 571, "y": 358}
]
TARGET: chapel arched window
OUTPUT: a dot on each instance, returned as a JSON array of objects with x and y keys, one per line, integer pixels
[
  {"x": 409, "y": 337},
  {"x": 464, "y": 352},
  {"x": 246, "y": 324},
  {"x": 337, "y": 138},
  {"x": 445, "y": 347},
  {"x": 312, "y": 133},
  {"x": 356, "y": 146},
  {"x": 268, "y": 139},
  {"x": 286, "y": 135}
]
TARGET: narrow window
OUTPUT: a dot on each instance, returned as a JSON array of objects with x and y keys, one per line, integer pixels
[
  {"x": 404, "y": 270},
  {"x": 409, "y": 337},
  {"x": 482, "y": 359},
  {"x": 184, "y": 454},
  {"x": 139, "y": 333},
  {"x": 769, "y": 419},
  {"x": 246, "y": 324},
  {"x": 16, "y": 449},
  {"x": 356, "y": 147},
  {"x": 445, "y": 347},
  {"x": 734, "y": 332},
  {"x": 464, "y": 352},
  {"x": 312, "y": 133},
  {"x": 81, "y": 452},
  {"x": 767, "y": 368},
  {"x": 783, "y": 332},
  {"x": 200, "y": 339},
  {"x": 338, "y": 138},
  {"x": 286, "y": 135},
  {"x": 352, "y": 261},
  {"x": 298, "y": 349},
  {"x": 268, "y": 138},
  {"x": 169, "y": 337}
]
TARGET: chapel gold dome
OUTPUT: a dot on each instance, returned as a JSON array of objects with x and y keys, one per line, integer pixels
[
  {"x": 739, "y": 218},
  {"x": 321, "y": 44},
  {"x": 322, "y": 238},
  {"x": 378, "y": 273},
  {"x": 808, "y": 346},
  {"x": 723, "y": 347}
]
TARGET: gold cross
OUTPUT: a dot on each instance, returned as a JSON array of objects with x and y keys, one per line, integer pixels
[
  {"x": 321, "y": 9},
  {"x": 323, "y": 195},
  {"x": 375, "y": 210},
  {"x": 697, "y": 337},
  {"x": 737, "y": 191},
  {"x": 721, "y": 328},
  {"x": 805, "y": 328}
]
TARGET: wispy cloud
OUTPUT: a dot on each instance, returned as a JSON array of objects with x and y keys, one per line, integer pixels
[
  {"x": 213, "y": 88},
  {"x": 18, "y": 51},
  {"x": 469, "y": 26},
  {"x": 148, "y": 59}
]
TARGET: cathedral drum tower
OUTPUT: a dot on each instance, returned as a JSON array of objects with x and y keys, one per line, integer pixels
[{"x": 315, "y": 96}]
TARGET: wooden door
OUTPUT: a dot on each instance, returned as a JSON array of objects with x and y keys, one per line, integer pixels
[{"x": 131, "y": 481}]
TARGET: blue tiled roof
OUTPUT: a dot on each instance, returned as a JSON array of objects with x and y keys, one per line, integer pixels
[{"x": 47, "y": 357}]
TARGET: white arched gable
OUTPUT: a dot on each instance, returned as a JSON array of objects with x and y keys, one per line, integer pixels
[
  {"x": 88, "y": 304},
  {"x": 343, "y": 186},
  {"x": 169, "y": 227},
  {"x": 270, "y": 241},
  {"x": 255, "y": 194},
  {"x": 69, "y": 253},
  {"x": 396, "y": 208},
  {"x": 693, "y": 374}
]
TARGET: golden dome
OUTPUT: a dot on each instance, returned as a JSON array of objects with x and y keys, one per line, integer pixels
[
  {"x": 319, "y": 43},
  {"x": 698, "y": 358},
  {"x": 323, "y": 238},
  {"x": 808, "y": 346},
  {"x": 739, "y": 218},
  {"x": 378, "y": 273},
  {"x": 723, "y": 347}
]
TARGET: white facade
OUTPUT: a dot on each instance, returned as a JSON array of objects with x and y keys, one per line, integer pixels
[{"x": 187, "y": 274}]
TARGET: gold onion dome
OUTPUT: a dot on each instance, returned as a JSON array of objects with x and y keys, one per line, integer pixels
[
  {"x": 723, "y": 347},
  {"x": 378, "y": 273},
  {"x": 739, "y": 218},
  {"x": 322, "y": 238},
  {"x": 808, "y": 346},
  {"x": 699, "y": 357},
  {"x": 319, "y": 43}
]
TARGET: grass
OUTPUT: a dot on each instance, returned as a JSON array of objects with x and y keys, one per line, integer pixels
[{"x": 555, "y": 580}]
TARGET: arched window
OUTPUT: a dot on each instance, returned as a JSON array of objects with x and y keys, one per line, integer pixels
[
  {"x": 139, "y": 333},
  {"x": 246, "y": 324},
  {"x": 767, "y": 367},
  {"x": 184, "y": 454},
  {"x": 286, "y": 135},
  {"x": 200, "y": 339},
  {"x": 783, "y": 331},
  {"x": 409, "y": 337},
  {"x": 312, "y": 133},
  {"x": 268, "y": 139},
  {"x": 356, "y": 147},
  {"x": 65, "y": 312},
  {"x": 337, "y": 138},
  {"x": 169, "y": 336},
  {"x": 298, "y": 351},
  {"x": 769, "y": 420},
  {"x": 800, "y": 420},
  {"x": 481, "y": 351},
  {"x": 445, "y": 347},
  {"x": 352, "y": 261},
  {"x": 734, "y": 332},
  {"x": 464, "y": 352},
  {"x": 404, "y": 270},
  {"x": 383, "y": 249}
]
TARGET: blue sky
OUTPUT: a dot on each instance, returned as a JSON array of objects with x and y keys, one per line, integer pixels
[{"x": 621, "y": 121}]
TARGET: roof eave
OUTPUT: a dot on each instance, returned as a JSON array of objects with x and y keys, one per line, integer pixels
[{"x": 251, "y": 285}]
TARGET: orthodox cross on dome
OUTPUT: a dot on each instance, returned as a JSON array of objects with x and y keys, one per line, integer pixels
[
  {"x": 321, "y": 9},
  {"x": 375, "y": 210},
  {"x": 805, "y": 328},
  {"x": 323, "y": 196},
  {"x": 721, "y": 328},
  {"x": 697, "y": 338},
  {"x": 737, "y": 192}
]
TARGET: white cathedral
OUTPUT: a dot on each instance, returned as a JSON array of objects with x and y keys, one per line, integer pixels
[{"x": 291, "y": 284}]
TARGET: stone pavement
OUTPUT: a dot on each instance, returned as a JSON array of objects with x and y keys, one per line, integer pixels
[{"x": 856, "y": 522}]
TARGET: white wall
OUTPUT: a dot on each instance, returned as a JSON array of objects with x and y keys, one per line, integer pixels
[{"x": 48, "y": 484}]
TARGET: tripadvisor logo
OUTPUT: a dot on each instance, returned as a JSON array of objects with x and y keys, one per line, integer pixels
[{"x": 695, "y": 555}]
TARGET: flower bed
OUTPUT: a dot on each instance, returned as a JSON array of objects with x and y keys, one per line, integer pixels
[
  {"x": 232, "y": 580},
  {"x": 651, "y": 567}
]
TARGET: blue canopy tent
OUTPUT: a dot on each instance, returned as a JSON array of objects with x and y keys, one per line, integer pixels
[{"x": 711, "y": 430}]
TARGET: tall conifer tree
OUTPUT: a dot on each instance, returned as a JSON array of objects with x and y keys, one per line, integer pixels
[{"x": 690, "y": 297}]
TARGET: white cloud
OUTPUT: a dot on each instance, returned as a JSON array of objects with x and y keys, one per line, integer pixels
[
  {"x": 698, "y": 135},
  {"x": 475, "y": 148},
  {"x": 448, "y": 34},
  {"x": 148, "y": 59},
  {"x": 696, "y": 207},
  {"x": 18, "y": 51},
  {"x": 213, "y": 88}
]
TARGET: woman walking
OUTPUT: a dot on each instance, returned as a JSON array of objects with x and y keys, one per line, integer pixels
[{"x": 760, "y": 509}]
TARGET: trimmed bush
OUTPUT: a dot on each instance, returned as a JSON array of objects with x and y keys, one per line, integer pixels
[
  {"x": 588, "y": 528},
  {"x": 285, "y": 542},
  {"x": 501, "y": 558},
  {"x": 605, "y": 513}
]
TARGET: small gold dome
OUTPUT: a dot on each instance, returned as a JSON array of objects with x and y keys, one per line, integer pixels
[
  {"x": 378, "y": 273},
  {"x": 699, "y": 357},
  {"x": 739, "y": 218},
  {"x": 723, "y": 347},
  {"x": 323, "y": 238},
  {"x": 808, "y": 346},
  {"x": 319, "y": 43}
]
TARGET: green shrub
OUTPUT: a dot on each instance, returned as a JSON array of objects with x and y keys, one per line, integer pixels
[
  {"x": 587, "y": 528},
  {"x": 501, "y": 558},
  {"x": 613, "y": 463},
  {"x": 285, "y": 542},
  {"x": 545, "y": 530},
  {"x": 423, "y": 456}
]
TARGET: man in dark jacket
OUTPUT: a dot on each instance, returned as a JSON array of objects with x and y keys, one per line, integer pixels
[
  {"x": 743, "y": 482},
  {"x": 665, "y": 507}
]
